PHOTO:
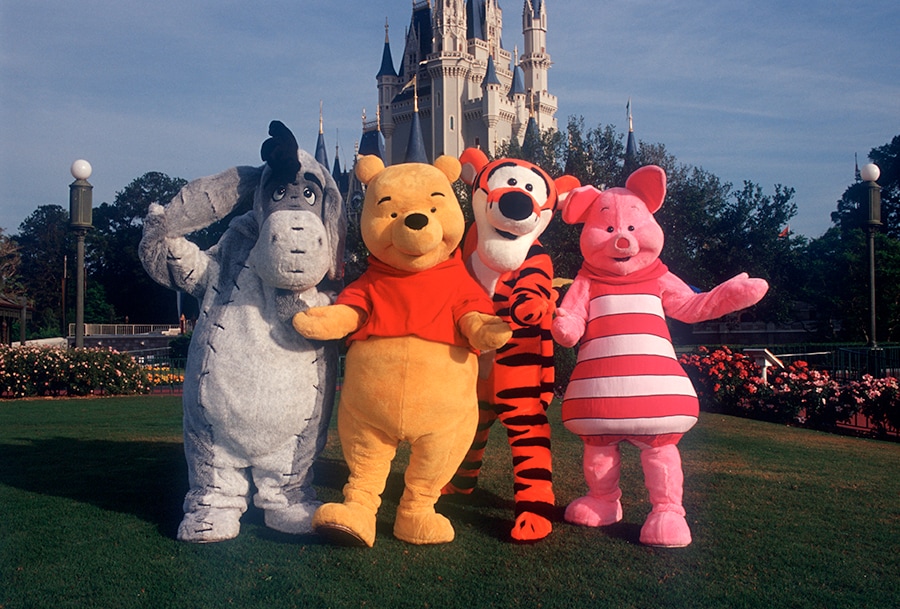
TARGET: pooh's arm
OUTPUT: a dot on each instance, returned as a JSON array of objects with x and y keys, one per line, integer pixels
[
  {"x": 330, "y": 322},
  {"x": 683, "y": 304},
  {"x": 484, "y": 332}
]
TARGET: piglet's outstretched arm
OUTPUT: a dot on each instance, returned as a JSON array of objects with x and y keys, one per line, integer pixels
[
  {"x": 682, "y": 303},
  {"x": 328, "y": 323},
  {"x": 484, "y": 332}
]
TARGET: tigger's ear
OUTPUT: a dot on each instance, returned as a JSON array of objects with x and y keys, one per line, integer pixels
[
  {"x": 473, "y": 160},
  {"x": 564, "y": 185}
]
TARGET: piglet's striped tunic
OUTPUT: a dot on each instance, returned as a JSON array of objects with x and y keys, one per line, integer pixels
[{"x": 627, "y": 379}]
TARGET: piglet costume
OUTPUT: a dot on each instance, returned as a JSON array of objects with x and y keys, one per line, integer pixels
[{"x": 627, "y": 385}]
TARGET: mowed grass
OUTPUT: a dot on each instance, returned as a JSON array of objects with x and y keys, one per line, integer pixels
[{"x": 91, "y": 491}]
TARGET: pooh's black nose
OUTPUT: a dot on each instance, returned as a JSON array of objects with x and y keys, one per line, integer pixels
[{"x": 416, "y": 221}]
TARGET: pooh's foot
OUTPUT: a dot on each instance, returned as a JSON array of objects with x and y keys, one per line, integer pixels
[
  {"x": 592, "y": 512},
  {"x": 531, "y": 527},
  {"x": 665, "y": 529},
  {"x": 296, "y": 518},
  {"x": 345, "y": 524},
  {"x": 210, "y": 525},
  {"x": 422, "y": 528}
]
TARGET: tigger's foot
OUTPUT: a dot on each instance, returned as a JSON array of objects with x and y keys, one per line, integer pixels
[{"x": 530, "y": 527}]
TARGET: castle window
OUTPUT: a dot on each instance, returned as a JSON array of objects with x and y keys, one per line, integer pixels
[{"x": 451, "y": 123}]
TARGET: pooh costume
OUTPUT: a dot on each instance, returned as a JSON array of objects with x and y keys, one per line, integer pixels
[{"x": 415, "y": 322}]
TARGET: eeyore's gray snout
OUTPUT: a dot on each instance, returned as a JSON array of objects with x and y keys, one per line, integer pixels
[{"x": 292, "y": 251}]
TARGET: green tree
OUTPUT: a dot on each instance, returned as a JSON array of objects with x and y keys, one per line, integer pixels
[
  {"x": 113, "y": 254},
  {"x": 44, "y": 242},
  {"x": 10, "y": 283},
  {"x": 838, "y": 283}
]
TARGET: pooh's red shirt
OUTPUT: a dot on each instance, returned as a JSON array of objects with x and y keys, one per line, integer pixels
[{"x": 427, "y": 304}]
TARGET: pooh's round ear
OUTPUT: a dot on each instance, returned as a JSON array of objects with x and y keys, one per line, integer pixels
[
  {"x": 473, "y": 160},
  {"x": 367, "y": 167},
  {"x": 449, "y": 166},
  {"x": 649, "y": 183}
]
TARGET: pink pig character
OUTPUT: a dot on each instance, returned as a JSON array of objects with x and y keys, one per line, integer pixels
[{"x": 627, "y": 385}]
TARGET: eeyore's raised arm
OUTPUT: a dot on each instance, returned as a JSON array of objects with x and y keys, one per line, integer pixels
[{"x": 167, "y": 256}]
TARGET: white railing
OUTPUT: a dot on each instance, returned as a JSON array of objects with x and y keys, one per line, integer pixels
[{"x": 129, "y": 329}]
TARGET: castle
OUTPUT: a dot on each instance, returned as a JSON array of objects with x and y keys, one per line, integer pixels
[{"x": 457, "y": 87}]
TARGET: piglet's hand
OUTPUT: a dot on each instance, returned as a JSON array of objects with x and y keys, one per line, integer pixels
[
  {"x": 329, "y": 322},
  {"x": 567, "y": 329},
  {"x": 484, "y": 332}
]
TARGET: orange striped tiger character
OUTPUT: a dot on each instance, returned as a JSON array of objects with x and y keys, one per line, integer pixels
[{"x": 513, "y": 202}]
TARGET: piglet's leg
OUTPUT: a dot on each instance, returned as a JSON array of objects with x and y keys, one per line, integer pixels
[
  {"x": 666, "y": 525},
  {"x": 601, "y": 506}
]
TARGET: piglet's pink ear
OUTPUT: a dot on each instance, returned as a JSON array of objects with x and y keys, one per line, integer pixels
[
  {"x": 575, "y": 206},
  {"x": 648, "y": 183}
]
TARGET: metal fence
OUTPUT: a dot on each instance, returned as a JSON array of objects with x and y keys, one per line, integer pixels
[
  {"x": 844, "y": 363},
  {"x": 126, "y": 329}
]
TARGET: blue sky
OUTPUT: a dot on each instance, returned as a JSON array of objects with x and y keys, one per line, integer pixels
[{"x": 772, "y": 92}]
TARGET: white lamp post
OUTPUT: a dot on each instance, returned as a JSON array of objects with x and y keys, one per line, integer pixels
[
  {"x": 870, "y": 174},
  {"x": 80, "y": 202}
]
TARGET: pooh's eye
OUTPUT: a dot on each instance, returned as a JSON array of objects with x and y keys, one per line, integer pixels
[
  {"x": 609, "y": 229},
  {"x": 434, "y": 210},
  {"x": 278, "y": 195},
  {"x": 394, "y": 215},
  {"x": 309, "y": 196}
]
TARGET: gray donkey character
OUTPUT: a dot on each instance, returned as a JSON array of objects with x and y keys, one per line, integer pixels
[{"x": 257, "y": 395}]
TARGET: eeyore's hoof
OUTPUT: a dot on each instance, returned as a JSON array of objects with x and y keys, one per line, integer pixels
[
  {"x": 210, "y": 525},
  {"x": 296, "y": 519}
]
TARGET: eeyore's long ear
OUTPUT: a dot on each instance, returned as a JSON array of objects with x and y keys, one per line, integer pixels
[{"x": 280, "y": 150}]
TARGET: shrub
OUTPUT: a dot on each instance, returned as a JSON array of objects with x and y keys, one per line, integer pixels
[
  {"x": 725, "y": 381},
  {"x": 732, "y": 383},
  {"x": 47, "y": 371},
  {"x": 879, "y": 399}
]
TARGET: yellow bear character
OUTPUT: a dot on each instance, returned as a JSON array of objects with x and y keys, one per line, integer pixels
[{"x": 415, "y": 321}]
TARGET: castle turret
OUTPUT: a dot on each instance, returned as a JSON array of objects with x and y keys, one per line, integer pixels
[
  {"x": 389, "y": 82},
  {"x": 321, "y": 154},
  {"x": 535, "y": 62}
]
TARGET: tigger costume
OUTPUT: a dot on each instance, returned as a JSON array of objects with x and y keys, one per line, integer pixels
[
  {"x": 627, "y": 385},
  {"x": 513, "y": 201}
]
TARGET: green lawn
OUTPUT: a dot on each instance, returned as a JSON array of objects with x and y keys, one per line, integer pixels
[{"x": 91, "y": 490}]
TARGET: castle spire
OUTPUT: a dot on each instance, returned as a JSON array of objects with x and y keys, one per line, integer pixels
[
  {"x": 631, "y": 149},
  {"x": 321, "y": 154}
]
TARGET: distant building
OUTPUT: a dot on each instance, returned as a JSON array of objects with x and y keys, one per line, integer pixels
[{"x": 457, "y": 87}]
